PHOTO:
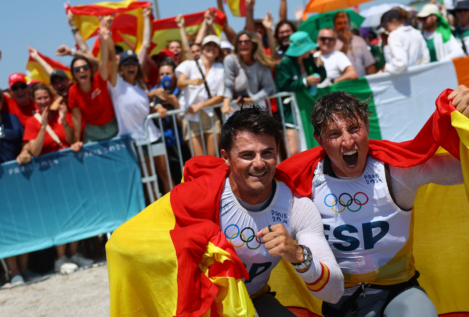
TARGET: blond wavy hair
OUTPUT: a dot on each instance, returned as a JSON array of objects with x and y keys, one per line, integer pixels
[{"x": 258, "y": 53}]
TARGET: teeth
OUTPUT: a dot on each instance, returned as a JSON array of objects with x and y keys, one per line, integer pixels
[
  {"x": 350, "y": 153},
  {"x": 258, "y": 174}
]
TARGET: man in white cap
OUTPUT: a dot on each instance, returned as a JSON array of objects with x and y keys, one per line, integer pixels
[{"x": 437, "y": 33}]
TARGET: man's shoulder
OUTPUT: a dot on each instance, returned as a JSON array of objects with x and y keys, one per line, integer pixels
[{"x": 358, "y": 41}]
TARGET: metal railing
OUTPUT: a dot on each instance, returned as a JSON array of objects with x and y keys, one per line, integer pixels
[{"x": 150, "y": 181}]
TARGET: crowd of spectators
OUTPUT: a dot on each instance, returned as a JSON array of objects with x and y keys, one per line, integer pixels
[{"x": 112, "y": 96}]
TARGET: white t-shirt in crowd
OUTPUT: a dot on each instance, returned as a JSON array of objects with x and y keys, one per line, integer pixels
[
  {"x": 194, "y": 94},
  {"x": 335, "y": 64},
  {"x": 359, "y": 54},
  {"x": 132, "y": 106}
]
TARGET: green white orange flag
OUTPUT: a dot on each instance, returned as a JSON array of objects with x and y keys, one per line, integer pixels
[
  {"x": 165, "y": 30},
  {"x": 126, "y": 28},
  {"x": 237, "y": 7},
  {"x": 36, "y": 72}
]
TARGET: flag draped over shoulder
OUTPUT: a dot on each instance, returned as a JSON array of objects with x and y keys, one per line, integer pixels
[
  {"x": 36, "y": 72},
  {"x": 439, "y": 226},
  {"x": 165, "y": 30},
  {"x": 173, "y": 260},
  {"x": 126, "y": 28},
  {"x": 237, "y": 7}
]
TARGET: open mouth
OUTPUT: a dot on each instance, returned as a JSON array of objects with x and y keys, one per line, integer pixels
[
  {"x": 350, "y": 158},
  {"x": 132, "y": 72},
  {"x": 83, "y": 76}
]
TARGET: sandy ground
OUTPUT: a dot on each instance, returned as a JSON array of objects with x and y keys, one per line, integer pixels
[{"x": 83, "y": 293}]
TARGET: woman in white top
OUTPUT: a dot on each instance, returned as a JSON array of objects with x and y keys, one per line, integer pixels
[
  {"x": 132, "y": 106},
  {"x": 202, "y": 85},
  {"x": 406, "y": 45}
]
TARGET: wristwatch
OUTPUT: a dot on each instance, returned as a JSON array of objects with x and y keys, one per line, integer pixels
[{"x": 308, "y": 256}]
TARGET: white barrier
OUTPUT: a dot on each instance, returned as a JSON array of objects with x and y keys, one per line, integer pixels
[{"x": 150, "y": 178}]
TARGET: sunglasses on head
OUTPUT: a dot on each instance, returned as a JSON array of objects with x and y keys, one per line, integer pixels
[
  {"x": 19, "y": 87},
  {"x": 245, "y": 42},
  {"x": 325, "y": 38},
  {"x": 130, "y": 62},
  {"x": 77, "y": 69}
]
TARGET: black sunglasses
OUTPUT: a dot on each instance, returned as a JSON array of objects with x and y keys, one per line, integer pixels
[
  {"x": 325, "y": 38},
  {"x": 77, "y": 69},
  {"x": 19, "y": 87},
  {"x": 246, "y": 42},
  {"x": 130, "y": 62}
]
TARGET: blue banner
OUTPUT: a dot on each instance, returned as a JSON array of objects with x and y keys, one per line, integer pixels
[{"x": 67, "y": 196}]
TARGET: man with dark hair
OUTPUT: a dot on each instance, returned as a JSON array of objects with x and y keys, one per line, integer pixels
[
  {"x": 365, "y": 190},
  {"x": 256, "y": 210},
  {"x": 282, "y": 33}
]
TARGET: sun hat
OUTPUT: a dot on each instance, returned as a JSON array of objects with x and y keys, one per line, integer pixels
[
  {"x": 300, "y": 43},
  {"x": 427, "y": 10},
  {"x": 211, "y": 38},
  {"x": 461, "y": 5}
]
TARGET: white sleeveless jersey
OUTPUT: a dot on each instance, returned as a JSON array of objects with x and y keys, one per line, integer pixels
[
  {"x": 371, "y": 237},
  {"x": 240, "y": 227}
]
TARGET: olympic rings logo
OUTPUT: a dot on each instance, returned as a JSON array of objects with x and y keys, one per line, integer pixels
[
  {"x": 242, "y": 237},
  {"x": 339, "y": 201}
]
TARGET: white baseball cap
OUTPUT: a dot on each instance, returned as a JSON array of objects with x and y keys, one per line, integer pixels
[
  {"x": 226, "y": 44},
  {"x": 211, "y": 38},
  {"x": 427, "y": 10}
]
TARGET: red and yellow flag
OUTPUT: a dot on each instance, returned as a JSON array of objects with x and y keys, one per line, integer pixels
[
  {"x": 165, "y": 30},
  {"x": 36, "y": 72},
  {"x": 237, "y": 7},
  {"x": 126, "y": 28},
  {"x": 173, "y": 260}
]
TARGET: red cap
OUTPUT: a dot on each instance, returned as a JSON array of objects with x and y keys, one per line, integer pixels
[
  {"x": 166, "y": 53},
  {"x": 16, "y": 78}
]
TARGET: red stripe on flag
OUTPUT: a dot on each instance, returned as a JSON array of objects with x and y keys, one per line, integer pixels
[
  {"x": 190, "y": 19},
  {"x": 242, "y": 8},
  {"x": 98, "y": 10}
]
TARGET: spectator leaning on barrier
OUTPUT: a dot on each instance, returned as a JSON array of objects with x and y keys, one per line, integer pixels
[
  {"x": 89, "y": 97},
  {"x": 132, "y": 106},
  {"x": 11, "y": 134},
  {"x": 406, "y": 46},
  {"x": 337, "y": 64},
  {"x": 202, "y": 85},
  {"x": 437, "y": 33},
  {"x": 248, "y": 76},
  {"x": 295, "y": 72},
  {"x": 282, "y": 33},
  {"x": 461, "y": 32},
  {"x": 353, "y": 46}
]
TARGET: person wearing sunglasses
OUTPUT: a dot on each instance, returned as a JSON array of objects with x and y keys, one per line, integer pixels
[
  {"x": 406, "y": 46},
  {"x": 461, "y": 32},
  {"x": 89, "y": 98},
  {"x": 338, "y": 65},
  {"x": 132, "y": 105},
  {"x": 20, "y": 103},
  {"x": 442, "y": 45}
]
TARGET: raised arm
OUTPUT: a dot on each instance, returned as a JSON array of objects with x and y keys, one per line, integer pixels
[
  {"x": 268, "y": 21},
  {"x": 181, "y": 23},
  {"x": 202, "y": 31},
  {"x": 283, "y": 10},
  {"x": 104, "y": 34},
  {"x": 229, "y": 32},
  {"x": 34, "y": 54},
  {"x": 77, "y": 35},
  {"x": 38, "y": 142},
  {"x": 62, "y": 113},
  {"x": 64, "y": 50},
  {"x": 250, "y": 25},
  {"x": 142, "y": 54}
]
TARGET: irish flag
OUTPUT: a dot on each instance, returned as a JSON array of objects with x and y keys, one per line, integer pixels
[
  {"x": 237, "y": 7},
  {"x": 165, "y": 30},
  {"x": 127, "y": 27},
  {"x": 35, "y": 70}
]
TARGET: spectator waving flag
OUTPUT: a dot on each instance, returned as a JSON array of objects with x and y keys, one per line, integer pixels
[
  {"x": 165, "y": 30},
  {"x": 237, "y": 7},
  {"x": 172, "y": 259},
  {"x": 37, "y": 72},
  {"x": 127, "y": 26}
]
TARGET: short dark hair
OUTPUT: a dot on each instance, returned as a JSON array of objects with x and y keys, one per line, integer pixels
[
  {"x": 250, "y": 118},
  {"x": 339, "y": 102},
  {"x": 282, "y": 23}
]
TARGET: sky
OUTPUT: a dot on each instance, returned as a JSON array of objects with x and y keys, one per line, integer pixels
[{"x": 43, "y": 25}]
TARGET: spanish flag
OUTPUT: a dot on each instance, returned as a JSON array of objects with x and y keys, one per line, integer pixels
[
  {"x": 173, "y": 260},
  {"x": 165, "y": 30},
  {"x": 237, "y": 7},
  {"x": 127, "y": 27},
  {"x": 440, "y": 227},
  {"x": 36, "y": 72}
]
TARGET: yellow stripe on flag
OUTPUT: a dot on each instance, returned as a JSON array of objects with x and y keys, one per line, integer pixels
[
  {"x": 461, "y": 124},
  {"x": 321, "y": 281}
]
